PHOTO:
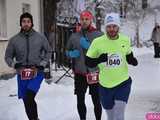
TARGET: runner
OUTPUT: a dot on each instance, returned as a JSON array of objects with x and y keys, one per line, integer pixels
[
  {"x": 28, "y": 53},
  {"x": 76, "y": 49},
  {"x": 112, "y": 53}
]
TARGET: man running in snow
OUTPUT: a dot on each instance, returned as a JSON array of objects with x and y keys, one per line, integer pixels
[
  {"x": 112, "y": 53},
  {"x": 28, "y": 53},
  {"x": 76, "y": 49}
]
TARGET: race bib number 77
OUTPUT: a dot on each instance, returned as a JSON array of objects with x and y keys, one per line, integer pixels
[{"x": 28, "y": 73}]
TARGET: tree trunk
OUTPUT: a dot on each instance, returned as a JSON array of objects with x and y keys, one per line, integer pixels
[
  {"x": 98, "y": 19},
  {"x": 49, "y": 14},
  {"x": 144, "y": 4},
  {"x": 138, "y": 44}
]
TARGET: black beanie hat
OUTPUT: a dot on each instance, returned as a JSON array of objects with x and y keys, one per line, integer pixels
[{"x": 26, "y": 15}]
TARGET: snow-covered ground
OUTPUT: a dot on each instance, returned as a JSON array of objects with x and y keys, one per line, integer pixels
[{"x": 57, "y": 101}]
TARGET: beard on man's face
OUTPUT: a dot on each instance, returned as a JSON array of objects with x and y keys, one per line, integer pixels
[
  {"x": 26, "y": 28},
  {"x": 112, "y": 34}
]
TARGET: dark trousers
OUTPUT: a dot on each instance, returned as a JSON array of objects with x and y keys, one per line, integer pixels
[
  {"x": 156, "y": 50},
  {"x": 82, "y": 107},
  {"x": 81, "y": 86},
  {"x": 30, "y": 105}
]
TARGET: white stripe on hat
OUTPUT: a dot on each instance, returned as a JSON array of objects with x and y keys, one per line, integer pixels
[{"x": 112, "y": 18}]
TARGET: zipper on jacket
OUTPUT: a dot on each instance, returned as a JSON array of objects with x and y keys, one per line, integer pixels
[
  {"x": 27, "y": 54},
  {"x": 84, "y": 34}
]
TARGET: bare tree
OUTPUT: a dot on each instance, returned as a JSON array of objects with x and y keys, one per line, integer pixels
[
  {"x": 49, "y": 7},
  {"x": 137, "y": 11},
  {"x": 131, "y": 10}
]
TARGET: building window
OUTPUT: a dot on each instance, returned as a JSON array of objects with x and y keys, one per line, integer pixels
[
  {"x": 3, "y": 25},
  {"x": 26, "y": 8}
]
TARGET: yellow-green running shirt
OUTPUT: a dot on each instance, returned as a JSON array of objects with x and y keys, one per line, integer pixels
[{"x": 115, "y": 70}]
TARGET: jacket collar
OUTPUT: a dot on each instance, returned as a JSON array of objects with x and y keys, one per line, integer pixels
[{"x": 29, "y": 33}]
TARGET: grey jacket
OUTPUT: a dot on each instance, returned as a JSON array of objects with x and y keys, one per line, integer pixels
[
  {"x": 28, "y": 49},
  {"x": 74, "y": 43},
  {"x": 156, "y": 36}
]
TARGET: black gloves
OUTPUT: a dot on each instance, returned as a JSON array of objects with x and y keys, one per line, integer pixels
[
  {"x": 40, "y": 67},
  {"x": 131, "y": 59},
  {"x": 17, "y": 65},
  {"x": 103, "y": 58},
  {"x": 93, "y": 62}
]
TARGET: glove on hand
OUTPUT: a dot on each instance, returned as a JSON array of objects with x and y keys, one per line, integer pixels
[
  {"x": 84, "y": 42},
  {"x": 103, "y": 58},
  {"x": 73, "y": 53},
  {"x": 17, "y": 65}
]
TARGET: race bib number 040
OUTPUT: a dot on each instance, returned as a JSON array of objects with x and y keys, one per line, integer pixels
[{"x": 114, "y": 60}]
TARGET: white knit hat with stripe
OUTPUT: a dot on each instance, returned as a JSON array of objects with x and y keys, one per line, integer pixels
[{"x": 112, "y": 18}]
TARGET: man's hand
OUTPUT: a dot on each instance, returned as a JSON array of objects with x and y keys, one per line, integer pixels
[
  {"x": 103, "y": 58},
  {"x": 84, "y": 42},
  {"x": 17, "y": 65},
  {"x": 73, "y": 53}
]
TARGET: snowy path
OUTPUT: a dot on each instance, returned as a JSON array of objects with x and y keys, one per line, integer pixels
[
  {"x": 145, "y": 88},
  {"x": 57, "y": 102}
]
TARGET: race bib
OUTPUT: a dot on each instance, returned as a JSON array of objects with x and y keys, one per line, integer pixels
[
  {"x": 28, "y": 73},
  {"x": 114, "y": 60},
  {"x": 92, "y": 77}
]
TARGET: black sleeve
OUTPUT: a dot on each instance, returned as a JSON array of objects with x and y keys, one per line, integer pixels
[
  {"x": 131, "y": 59},
  {"x": 10, "y": 54},
  {"x": 91, "y": 62}
]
